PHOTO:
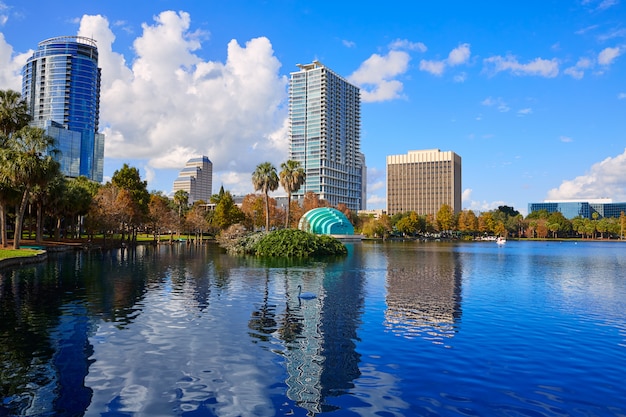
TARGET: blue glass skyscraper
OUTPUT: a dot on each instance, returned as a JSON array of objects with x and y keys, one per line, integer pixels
[{"x": 61, "y": 85}]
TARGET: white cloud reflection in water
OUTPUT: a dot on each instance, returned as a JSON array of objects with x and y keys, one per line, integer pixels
[{"x": 166, "y": 362}]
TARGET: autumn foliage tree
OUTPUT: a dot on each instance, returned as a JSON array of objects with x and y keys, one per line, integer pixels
[
  {"x": 133, "y": 199},
  {"x": 161, "y": 217},
  {"x": 196, "y": 221},
  {"x": 445, "y": 218},
  {"x": 312, "y": 201},
  {"x": 253, "y": 206}
]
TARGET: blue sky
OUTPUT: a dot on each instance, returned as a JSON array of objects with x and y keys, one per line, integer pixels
[{"x": 531, "y": 95}]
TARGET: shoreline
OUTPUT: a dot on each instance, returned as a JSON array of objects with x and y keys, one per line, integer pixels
[{"x": 66, "y": 246}]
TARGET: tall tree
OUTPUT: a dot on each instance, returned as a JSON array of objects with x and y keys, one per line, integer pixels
[
  {"x": 265, "y": 179},
  {"x": 47, "y": 199},
  {"x": 28, "y": 163},
  {"x": 253, "y": 206},
  {"x": 103, "y": 212},
  {"x": 13, "y": 117},
  {"x": 292, "y": 177},
  {"x": 79, "y": 194},
  {"x": 161, "y": 216},
  {"x": 226, "y": 212},
  {"x": 311, "y": 201},
  {"x": 445, "y": 218},
  {"x": 181, "y": 198},
  {"x": 128, "y": 180},
  {"x": 196, "y": 221}
]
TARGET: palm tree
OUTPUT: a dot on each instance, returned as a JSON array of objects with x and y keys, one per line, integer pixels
[
  {"x": 13, "y": 112},
  {"x": 181, "y": 198},
  {"x": 13, "y": 116},
  {"x": 292, "y": 177},
  {"x": 264, "y": 178},
  {"x": 47, "y": 197},
  {"x": 28, "y": 164}
]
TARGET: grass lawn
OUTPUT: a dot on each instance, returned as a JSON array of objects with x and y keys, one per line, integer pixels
[{"x": 19, "y": 253}]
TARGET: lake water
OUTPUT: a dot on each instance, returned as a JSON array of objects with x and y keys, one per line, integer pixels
[{"x": 396, "y": 329}]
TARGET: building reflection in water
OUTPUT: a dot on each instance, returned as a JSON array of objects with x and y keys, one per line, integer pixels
[
  {"x": 424, "y": 292},
  {"x": 320, "y": 333},
  {"x": 44, "y": 339}
]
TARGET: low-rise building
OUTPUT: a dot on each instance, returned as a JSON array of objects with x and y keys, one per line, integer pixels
[{"x": 575, "y": 208}]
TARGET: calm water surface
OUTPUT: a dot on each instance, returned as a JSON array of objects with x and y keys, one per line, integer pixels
[{"x": 396, "y": 329}]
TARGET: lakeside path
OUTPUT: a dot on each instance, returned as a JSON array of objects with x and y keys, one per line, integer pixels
[{"x": 39, "y": 252}]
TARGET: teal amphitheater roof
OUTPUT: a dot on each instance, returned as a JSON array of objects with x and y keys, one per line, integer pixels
[{"x": 326, "y": 221}]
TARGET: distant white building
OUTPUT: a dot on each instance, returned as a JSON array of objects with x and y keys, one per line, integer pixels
[{"x": 197, "y": 179}]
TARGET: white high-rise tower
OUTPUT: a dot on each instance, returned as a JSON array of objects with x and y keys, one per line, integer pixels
[{"x": 325, "y": 135}]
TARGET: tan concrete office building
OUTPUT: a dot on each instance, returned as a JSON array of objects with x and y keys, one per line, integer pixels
[{"x": 422, "y": 181}]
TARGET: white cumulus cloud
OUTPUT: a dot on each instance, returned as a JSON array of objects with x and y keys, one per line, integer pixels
[
  {"x": 578, "y": 71},
  {"x": 548, "y": 68},
  {"x": 11, "y": 67},
  {"x": 434, "y": 67},
  {"x": 169, "y": 104},
  {"x": 467, "y": 195},
  {"x": 608, "y": 55},
  {"x": 459, "y": 55},
  {"x": 376, "y": 76},
  {"x": 408, "y": 45},
  {"x": 605, "y": 179}
]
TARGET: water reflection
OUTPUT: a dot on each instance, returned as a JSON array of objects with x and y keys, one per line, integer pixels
[
  {"x": 107, "y": 329},
  {"x": 180, "y": 330},
  {"x": 317, "y": 335},
  {"x": 44, "y": 338},
  {"x": 423, "y": 291}
]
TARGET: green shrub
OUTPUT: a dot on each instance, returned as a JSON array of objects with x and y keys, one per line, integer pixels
[
  {"x": 237, "y": 240},
  {"x": 288, "y": 243},
  {"x": 297, "y": 243},
  {"x": 331, "y": 246}
]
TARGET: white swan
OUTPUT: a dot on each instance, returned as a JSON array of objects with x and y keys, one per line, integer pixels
[{"x": 305, "y": 295}]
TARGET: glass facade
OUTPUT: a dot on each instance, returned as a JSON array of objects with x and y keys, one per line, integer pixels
[
  {"x": 61, "y": 85},
  {"x": 584, "y": 209},
  {"x": 325, "y": 129}
]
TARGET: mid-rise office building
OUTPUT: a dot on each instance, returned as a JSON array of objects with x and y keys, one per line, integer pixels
[
  {"x": 61, "y": 86},
  {"x": 604, "y": 207},
  {"x": 196, "y": 178},
  {"x": 422, "y": 181},
  {"x": 325, "y": 135}
]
